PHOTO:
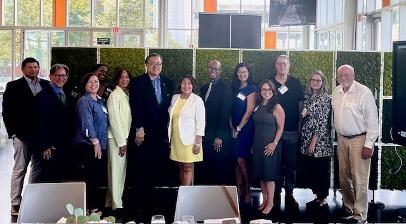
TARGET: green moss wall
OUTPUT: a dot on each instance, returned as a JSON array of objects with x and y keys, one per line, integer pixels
[
  {"x": 79, "y": 60},
  {"x": 228, "y": 58},
  {"x": 387, "y": 74},
  {"x": 262, "y": 63},
  {"x": 393, "y": 175},
  {"x": 303, "y": 63}
]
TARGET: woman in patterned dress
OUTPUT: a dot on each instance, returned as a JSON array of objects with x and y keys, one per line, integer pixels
[{"x": 316, "y": 142}]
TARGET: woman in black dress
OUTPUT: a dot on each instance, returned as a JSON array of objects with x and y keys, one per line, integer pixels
[{"x": 269, "y": 120}]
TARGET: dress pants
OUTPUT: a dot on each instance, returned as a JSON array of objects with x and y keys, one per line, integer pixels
[
  {"x": 318, "y": 175},
  {"x": 117, "y": 167},
  {"x": 354, "y": 175},
  {"x": 286, "y": 174},
  {"x": 23, "y": 154}
]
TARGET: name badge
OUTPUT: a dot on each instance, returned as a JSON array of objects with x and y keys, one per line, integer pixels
[
  {"x": 283, "y": 89},
  {"x": 104, "y": 109},
  {"x": 241, "y": 96}
]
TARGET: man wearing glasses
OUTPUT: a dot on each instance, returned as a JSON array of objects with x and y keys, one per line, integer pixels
[
  {"x": 150, "y": 97},
  {"x": 218, "y": 160},
  {"x": 18, "y": 111},
  {"x": 54, "y": 112},
  {"x": 290, "y": 95}
]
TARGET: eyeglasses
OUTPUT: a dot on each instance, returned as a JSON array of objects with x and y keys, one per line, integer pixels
[
  {"x": 266, "y": 90},
  {"x": 316, "y": 80},
  {"x": 61, "y": 75},
  {"x": 282, "y": 63},
  {"x": 213, "y": 69},
  {"x": 153, "y": 64}
]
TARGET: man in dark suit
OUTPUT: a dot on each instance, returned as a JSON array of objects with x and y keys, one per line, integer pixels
[
  {"x": 18, "y": 116},
  {"x": 53, "y": 129},
  {"x": 218, "y": 162},
  {"x": 150, "y": 97}
]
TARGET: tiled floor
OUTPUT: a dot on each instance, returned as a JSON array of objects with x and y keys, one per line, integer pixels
[{"x": 392, "y": 199}]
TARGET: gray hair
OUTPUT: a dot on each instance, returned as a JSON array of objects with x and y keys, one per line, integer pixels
[{"x": 55, "y": 68}]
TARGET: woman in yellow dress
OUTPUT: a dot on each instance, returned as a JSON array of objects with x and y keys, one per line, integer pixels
[{"x": 186, "y": 128}]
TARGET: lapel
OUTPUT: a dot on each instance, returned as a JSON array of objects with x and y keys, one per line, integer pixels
[
  {"x": 26, "y": 88},
  {"x": 150, "y": 90}
]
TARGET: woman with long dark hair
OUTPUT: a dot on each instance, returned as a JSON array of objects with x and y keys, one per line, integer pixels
[
  {"x": 269, "y": 120},
  {"x": 242, "y": 126}
]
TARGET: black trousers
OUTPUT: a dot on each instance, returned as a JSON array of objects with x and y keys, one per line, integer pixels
[
  {"x": 95, "y": 176},
  {"x": 317, "y": 172}
]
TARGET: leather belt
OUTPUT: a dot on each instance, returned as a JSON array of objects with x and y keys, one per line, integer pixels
[{"x": 353, "y": 136}]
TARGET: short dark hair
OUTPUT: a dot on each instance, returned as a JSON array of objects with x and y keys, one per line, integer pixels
[
  {"x": 29, "y": 60},
  {"x": 151, "y": 56},
  {"x": 274, "y": 99},
  {"x": 235, "y": 84},
  {"x": 84, "y": 81},
  {"x": 191, "y": 79},
  {"x": 55, "y": 67},
  {"x": 118, "y": 73},
  {"x": 97, "y": 66}
]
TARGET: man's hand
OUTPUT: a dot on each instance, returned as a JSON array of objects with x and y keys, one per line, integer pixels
[
  {"x": 366, "y": 153},
  {"x": 218, "y": 143},
  {"x": 47, "y": 154},
  {"x": 139, "y": 137},
  {"x": 97, "y": 151}
]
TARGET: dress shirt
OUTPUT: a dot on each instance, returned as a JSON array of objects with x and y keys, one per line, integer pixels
[
  {"x": 355, "y": 112},
  {"x": 156, "y": 83},
  {"x": 59, "y": 92},
  {"x": 34, "y": 85}
]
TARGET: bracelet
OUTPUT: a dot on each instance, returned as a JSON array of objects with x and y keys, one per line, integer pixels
[
  {"x": 95, "y": 142},
  {"x": 196, "y": 144},
  {"x": 238, "y": 128}
]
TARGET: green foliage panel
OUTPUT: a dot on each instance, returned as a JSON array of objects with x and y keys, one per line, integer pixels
[
  {"x": 387, "y": 74},
  {"x": 367, "y": 66},
  {"x": 262, "y": 63},
  {"x": 303, "y": 63},
  {"x": 393, "y": 174},
  {"x": 228, "y": 58},
  {"x": 386, "y": 121},
  {"x": 131, "y": 59},
  {"x": 79, "y": 60},
  {"x": 177, "y": 62}
]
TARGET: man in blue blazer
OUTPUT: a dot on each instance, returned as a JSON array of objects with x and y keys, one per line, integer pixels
[
  {"x": 218, "y": 159},
  {"x": 54, "y": 126},
  {"x": 18, "y": 111},
  {"x": 150, "y": 97}
]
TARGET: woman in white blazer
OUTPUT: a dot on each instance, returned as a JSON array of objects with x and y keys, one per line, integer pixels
[
  {"x": 186, "y": 128},
  {"x": 120, "y": 120}
]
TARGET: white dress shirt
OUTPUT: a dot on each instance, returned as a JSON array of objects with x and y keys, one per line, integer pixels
[
  {"x": 355, "y": 112},
  {"x": 192, "y": 119}
]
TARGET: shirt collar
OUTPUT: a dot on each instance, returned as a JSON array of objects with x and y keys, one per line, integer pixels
[
  {"x": 352, "y": 87},
  {"x": 214, "y": 81},
  {"x": 56, "y": 88},
  {"x": 31, "y": 80},
  {"x": 156, "y": 79}
]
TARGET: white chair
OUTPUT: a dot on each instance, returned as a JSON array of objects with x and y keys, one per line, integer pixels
[
  {"x": 46, "y": 202},
  {"x": 207, "y": 202}
]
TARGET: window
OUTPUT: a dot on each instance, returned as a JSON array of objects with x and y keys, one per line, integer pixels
[
  {"x": 47, "y": 15},
  {"x": 179, "y": 14},
  {"x": 105, "y": 12},
  {"x": 79, "y": 13},
  {"x": 28, "y": 12},
  {"x": 8, "y": 7},
  {"x": 5, "y": 58},
  {"x": 179, "y": 38},
  {"x": 131, "y": 13},
  {"x": 102, "y": 35},
  {"x": 79, "y": 38}
]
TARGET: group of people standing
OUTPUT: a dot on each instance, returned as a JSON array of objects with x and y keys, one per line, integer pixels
[{"x": 221, "y": 135}]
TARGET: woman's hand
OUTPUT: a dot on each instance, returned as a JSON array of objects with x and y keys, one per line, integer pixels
[
  {"x": 196, "y": 149},
  {"x": 123, "y": 150},
  {"x": 311, "y": 149},
  {"x": 234, "y": 133},
  {"x": 269, "y": 149},
  {"x": 97, "y": 151}
]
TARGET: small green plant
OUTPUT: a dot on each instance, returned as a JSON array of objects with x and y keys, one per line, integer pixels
[{"x": 77, "y": 216}]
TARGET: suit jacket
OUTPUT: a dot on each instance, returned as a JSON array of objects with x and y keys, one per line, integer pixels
[
  {"x": 145, "y": 110},
  {"x": 55, "y": 121},
  {"x": 218, "y": 109},
  {"x": 18, "y": 108},
  {"x": 192, "y": 118}
]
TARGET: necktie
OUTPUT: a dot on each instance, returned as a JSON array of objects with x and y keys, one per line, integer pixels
[
  {"x": 62, "y": 97},
  {"x": 208, "y": 92}
]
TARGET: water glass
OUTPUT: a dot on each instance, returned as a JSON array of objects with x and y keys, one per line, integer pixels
[
  {"x": 188, "y": 219},
  {"x": 158, "y": 219}
]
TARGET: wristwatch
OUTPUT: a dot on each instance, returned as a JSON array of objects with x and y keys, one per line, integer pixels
[
  {"x": 275, "y": 142},
  {"x": 238, "y": 128}
]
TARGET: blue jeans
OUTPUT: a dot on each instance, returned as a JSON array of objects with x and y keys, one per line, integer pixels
[{"x": 286, "y": 173}]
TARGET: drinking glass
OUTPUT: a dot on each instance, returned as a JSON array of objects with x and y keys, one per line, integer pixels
[
  {"x": 188, "y": 219},
  {"x": 158, "y": 219}
]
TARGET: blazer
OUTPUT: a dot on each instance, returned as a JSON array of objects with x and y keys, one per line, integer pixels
[
  {"x": 218, "y": 109},
  {"x": 54, "y": 123},
  {"x": 119, "y": 116},
  {"x": 192, "y": 118},
  {"x": 18, "y": 108},
  {"x": 145, "y": 110}
]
